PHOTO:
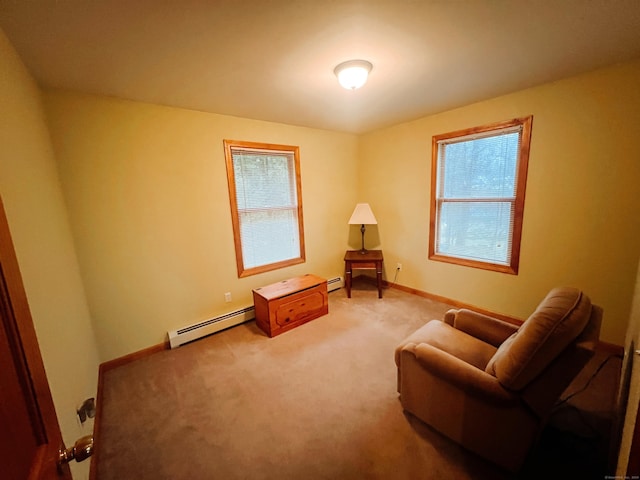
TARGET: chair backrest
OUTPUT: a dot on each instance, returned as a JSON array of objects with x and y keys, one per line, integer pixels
[
  {"x": 557, "y": 322},
  {"x": 543, "y": 392}
]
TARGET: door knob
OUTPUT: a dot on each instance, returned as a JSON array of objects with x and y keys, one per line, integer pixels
[{"x": 81, "y": 450}]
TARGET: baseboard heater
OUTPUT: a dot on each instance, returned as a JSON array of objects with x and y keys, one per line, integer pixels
[
  {"x": 213, "y": 325},
  {"x": 202, "y": 329},
  {"x": 335, "y": 283}
]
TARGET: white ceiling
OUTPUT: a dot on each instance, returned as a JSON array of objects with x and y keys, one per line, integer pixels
[{"x": 274, "y": 59}]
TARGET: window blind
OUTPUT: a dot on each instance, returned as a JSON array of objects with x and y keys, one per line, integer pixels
[
  {"x": 476, "y": 192},
  {"x": 267, "y": 205}
]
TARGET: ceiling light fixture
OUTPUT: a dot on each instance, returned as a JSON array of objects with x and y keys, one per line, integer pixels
[{"x": 353, "y": 74}]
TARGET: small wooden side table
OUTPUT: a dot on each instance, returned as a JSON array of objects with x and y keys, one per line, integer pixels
[{"x": 369, "y": 260}]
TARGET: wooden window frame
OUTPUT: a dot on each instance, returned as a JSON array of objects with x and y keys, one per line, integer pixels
[
  {"x": 229, "y": 146},
  {"x": 513, "y": 262}
]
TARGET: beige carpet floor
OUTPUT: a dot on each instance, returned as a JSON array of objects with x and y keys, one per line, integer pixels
[{"x": 318, "y": 402}]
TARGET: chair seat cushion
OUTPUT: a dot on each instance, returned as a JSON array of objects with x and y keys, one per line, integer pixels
[
  {"x": 455, "y": 342},
  {"x": 557, "y": 321}
]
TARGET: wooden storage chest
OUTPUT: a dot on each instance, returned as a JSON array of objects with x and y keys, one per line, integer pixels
[{"x": 285, "y": 305}]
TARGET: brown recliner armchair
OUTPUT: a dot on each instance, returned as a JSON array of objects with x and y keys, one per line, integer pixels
[{"x": 490, "y": 385}]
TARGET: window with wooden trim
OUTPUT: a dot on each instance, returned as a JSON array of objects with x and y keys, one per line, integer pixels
[
  {"x": 266, "y": 205},
  {"x": 478, "y": 180}
]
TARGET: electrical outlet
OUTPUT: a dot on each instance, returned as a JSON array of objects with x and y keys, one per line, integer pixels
[
  {"x": 227, "y": 297},
  {"x": 399, "y": 266}
]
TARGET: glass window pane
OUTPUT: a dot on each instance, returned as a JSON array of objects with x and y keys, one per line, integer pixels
[
  {"x": 263, "y": 180},
  {"x": 480, "y": 230},
  {"x": 269, "y": 236},
  {"x": 480, "y": 168}
]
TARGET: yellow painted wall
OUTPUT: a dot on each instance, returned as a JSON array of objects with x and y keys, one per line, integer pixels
[
  {"x": 147, "y": 193},
  {"x": 39, "y": 226},
  {"x": 581, "y": 219}
]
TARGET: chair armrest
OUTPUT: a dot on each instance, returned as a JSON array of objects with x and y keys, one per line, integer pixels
[
  {"x": 483, "y": 327},
  {"x": 462, "y": 375}
]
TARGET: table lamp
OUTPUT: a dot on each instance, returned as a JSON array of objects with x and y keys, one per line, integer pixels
[{"x": 362, "y": 215}]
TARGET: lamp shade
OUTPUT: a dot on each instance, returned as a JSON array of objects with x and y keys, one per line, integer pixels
[
  {"x": 362, "y": 215},
  {"x": 353, "y": 74}
]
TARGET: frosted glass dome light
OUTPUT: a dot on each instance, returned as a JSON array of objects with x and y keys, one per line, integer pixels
[{"x": 353, "y": 74}]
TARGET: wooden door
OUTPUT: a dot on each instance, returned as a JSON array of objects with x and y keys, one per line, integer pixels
[
  {"x": 29, "y": 431},
  {"x": 633, "y": 467}
]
